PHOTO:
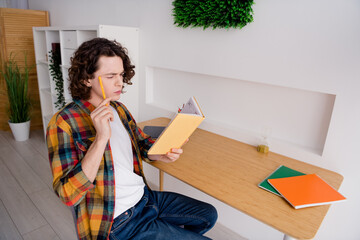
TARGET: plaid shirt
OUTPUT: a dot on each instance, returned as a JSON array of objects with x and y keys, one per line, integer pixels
[{"x": 69, "y": 134}]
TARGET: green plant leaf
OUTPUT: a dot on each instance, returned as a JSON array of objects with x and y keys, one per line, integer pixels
[
  {"x": 56, "y": 75},
  {"x": 212, "y": 13},
  {"x": 16, "y": 80}
]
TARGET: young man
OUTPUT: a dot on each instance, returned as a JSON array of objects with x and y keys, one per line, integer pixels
[{"x": 96, "y": 152}]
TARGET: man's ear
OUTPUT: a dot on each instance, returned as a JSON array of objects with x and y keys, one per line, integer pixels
[{"x": 87, "y": 82}]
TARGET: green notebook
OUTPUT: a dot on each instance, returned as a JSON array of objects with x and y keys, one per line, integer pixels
[{"x": 280, "y": 172}]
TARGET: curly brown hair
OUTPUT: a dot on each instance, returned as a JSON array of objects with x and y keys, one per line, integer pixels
[{"x": 84, "y": 64}]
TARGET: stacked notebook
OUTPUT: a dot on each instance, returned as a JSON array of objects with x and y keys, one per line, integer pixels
[{"x": 299, "y": 189}]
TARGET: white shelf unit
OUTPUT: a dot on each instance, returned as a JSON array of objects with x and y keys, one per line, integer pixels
[{"x": 70, "y": 38}]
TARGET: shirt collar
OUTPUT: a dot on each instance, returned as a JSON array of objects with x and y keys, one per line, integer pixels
[{"x": 84, "y": 105}]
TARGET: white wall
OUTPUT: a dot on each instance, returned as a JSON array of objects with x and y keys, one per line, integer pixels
[
  {"x": 305, "y": 45},
  {"x": 23, "y": 4}
]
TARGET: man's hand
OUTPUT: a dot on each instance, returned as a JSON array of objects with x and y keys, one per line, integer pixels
[
  {"x": 171, "y": 156},
  {"x": 101, "y": 117}
]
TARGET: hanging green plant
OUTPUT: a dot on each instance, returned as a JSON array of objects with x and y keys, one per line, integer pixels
[
  {"x": 212, "y": 13},
  {"x": 56, "y": 75}
]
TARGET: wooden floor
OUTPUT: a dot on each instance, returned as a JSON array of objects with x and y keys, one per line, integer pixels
[{"x": 29, "y": 209}]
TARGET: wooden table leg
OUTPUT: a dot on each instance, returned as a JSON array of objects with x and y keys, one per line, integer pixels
[
  {"x": 287, "y": 237},
  {"x": 161, "y": 180}
]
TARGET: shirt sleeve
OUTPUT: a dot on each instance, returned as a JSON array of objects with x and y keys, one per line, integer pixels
[
  {"x": 69, "y": 181},
  {"x": 145, "y": 142}
]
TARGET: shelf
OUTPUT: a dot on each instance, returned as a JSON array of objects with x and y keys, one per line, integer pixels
[
  {"x": 47, "y": 119},
  {"x": 85, "y": 35},
  {"x": 65, "y": 66},
  {"x": 69, "y": 39},
  {"x": 68, "y": 100},
  {"x": 48, "y": 91},
  {"x": 66, "y": 55},
  {"x": 42, "y": 61}
]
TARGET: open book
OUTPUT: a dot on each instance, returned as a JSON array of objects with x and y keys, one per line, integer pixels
[{"x": 179, "y": 129}]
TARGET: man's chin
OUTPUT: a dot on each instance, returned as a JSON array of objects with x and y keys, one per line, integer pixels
[{"x": 116, "y": 99}]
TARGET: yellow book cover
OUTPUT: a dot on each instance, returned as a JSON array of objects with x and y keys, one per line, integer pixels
[{"x": 179, "y": 129}]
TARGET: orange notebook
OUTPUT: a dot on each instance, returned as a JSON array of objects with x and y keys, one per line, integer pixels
[{"x": 306, "y": 191}]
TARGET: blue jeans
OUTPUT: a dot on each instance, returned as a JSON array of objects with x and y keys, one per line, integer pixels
[{"x": 164, "y": 215}]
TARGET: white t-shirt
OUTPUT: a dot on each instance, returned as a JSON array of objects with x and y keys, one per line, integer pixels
[{"x": 129, "y": 187}]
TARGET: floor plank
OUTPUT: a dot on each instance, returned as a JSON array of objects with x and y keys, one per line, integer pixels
[
  {"x": 45, "y": 232},
  {"x": 34, "y": 158},
  {"x": 38, "y": 142},
  {"x": 8, "y": 229},
  {"x": 41, "y": 167},
  {"x": 57, "y": 214},
  {"x": 23, "y": 173},
  {"x": 18, "y": 204},
  {"x": 2, "y": 139},
  {"x": 220, "y": 232},
  {"x": 26, "y": 148}
]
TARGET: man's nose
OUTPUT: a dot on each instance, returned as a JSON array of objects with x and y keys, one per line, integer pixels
[{"x": 119, "y": 80}]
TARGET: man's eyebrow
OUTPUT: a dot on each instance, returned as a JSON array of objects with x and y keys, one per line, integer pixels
[{"x": 114, "y": 73}]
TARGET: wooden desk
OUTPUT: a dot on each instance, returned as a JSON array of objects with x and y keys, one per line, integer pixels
[{"x": 230, "y": 171}]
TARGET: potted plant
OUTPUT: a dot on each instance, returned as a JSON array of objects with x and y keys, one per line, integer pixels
[{"x": 16, "y": 80}]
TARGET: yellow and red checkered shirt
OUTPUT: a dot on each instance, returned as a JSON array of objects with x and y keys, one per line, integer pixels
[{"x": 69, "y": 134}]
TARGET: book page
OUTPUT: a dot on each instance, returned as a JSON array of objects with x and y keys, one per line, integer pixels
[{"x": 191, "y": 107}]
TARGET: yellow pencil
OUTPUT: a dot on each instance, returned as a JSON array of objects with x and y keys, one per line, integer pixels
[{"x": 102, "y": 89}]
